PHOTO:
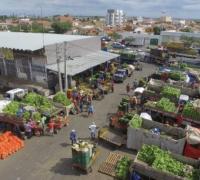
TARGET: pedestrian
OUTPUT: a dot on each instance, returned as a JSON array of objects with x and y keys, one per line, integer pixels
[
  {"x": 90, "y": 109},
  {"x": 43, "y": 121},
  {"x": 81, "y": 105},
  {"x": 51, "y": 126},
  {"x": 73, "y": 136},
  {"x": 128, "y": 88},
  {"x": 28, "y": 130},
  {"x": 93, "y": 129}
]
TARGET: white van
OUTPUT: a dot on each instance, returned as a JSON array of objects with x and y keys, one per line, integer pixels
[{"x": 15, "y": 93}]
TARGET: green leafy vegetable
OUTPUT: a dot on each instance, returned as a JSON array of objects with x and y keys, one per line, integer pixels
[
  {"x": 136, "y": 121},
  {"x": 170, "y": 92},
  {"x": 60, "y": 97},
  {"x": 11, "y": 108},
  {"x": 191, "y": 112},
  {"x": 166, "y": 105}
]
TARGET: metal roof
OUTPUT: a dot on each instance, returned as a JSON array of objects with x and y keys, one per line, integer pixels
[
  {"x": 34, "y": 41},
  {"x": 80, "y": 64}
]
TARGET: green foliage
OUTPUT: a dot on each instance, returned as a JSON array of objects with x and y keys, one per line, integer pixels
[
  {"x": 171, "y": 92},
  {"x": 61, "y": 97},
  {"x": 37, "y": 100},
  {"x": 176, "y": 76},
  {"x": 136, "y": 121},
  {"x": 157, "y": 30},
  {"x": 126, "y": 118},
  {"x": 163, "y": 161},
  {"x": 122, "y": 168},
  {"x": 183, "y": 66},
  {"x": 115, "y": 36},
  {"x": 26, "y": 115},
  {"x": 61, "y": 27},
  {"x": 187, "y": 29},
  {"x": 11, "y": 108},
  {"x": 191, "y": 112},
  {"x": 166, "y": 105},
  {"x": 37, "y": 116}
]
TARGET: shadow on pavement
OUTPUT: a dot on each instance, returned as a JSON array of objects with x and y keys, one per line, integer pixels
[
  {"x": 64, "y": 144},
  {"x": 64, "y": 167}
]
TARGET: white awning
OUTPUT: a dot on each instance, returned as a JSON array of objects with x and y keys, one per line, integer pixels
[
  {"x": 139, "y": 90},
  {"x": 80, "y": 64}
]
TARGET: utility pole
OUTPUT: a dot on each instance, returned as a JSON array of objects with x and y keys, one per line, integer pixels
[
  {"x": 65, "y": 65},
  {"x": 58, "y": 66}
]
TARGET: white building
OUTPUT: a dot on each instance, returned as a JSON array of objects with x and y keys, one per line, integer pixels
[
  {"x": 166, "y": 19},
  {"x": 115, "y": 17}
]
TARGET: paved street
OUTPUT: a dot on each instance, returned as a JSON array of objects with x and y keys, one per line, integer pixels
[{"x": 49, "y": 158}]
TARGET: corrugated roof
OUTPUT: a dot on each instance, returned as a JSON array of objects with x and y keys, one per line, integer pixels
[
  {"x": 33, "y": 41},
  {"x": 80, "y": 64}
]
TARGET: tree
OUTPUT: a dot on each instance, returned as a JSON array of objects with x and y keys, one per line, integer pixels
[
  {"x": 115, "y": 36},
  {"x": 157, "y": 30},
  {"x": 187, "y": 29},
  {"x": 61, "y": 27}
]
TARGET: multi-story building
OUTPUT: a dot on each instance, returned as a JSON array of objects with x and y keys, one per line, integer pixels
[
  {"x": 115, "y": 17},
  {"x": 166, "y": 19}
]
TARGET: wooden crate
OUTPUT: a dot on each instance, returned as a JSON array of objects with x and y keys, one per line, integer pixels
[{"x": 108, "y": 167}]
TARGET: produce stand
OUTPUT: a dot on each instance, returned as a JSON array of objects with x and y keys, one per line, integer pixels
[
  {"x": 170, "y": 138},
  {"x": 111, "y": 136},
  {"x": 144, "y": 169},
  {"x": 109, "y": 165},
  {"x": 171, "y": 115}
]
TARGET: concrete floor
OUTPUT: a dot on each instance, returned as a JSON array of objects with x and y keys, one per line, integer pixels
[{"x": 49, "y": 158}]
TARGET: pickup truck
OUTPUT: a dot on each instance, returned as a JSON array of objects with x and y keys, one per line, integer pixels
[{"x": 120, "y": 75}]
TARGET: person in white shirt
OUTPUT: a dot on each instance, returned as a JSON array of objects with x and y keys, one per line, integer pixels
[{"x": 93, "y": 129}]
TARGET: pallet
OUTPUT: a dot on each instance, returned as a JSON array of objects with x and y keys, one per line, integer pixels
[{"x": 108, "y": 167}]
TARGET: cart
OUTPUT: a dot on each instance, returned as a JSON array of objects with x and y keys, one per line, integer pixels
[
  {"x": 115, "y": 138},
  {"x": 88, "y": 168}
]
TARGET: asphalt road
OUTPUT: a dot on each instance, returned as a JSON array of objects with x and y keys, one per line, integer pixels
[{"x": 49, "y": 158}]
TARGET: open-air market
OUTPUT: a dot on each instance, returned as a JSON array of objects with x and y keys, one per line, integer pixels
[{"x": 99, "y": 97}]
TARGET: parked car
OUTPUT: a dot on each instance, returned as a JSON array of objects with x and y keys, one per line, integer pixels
[
  {"x": 15, "y": 94},
  {"x": 118, "y": 45},
  {"x": 120, "y": 75},
  {"x": 106, "y": 38}
]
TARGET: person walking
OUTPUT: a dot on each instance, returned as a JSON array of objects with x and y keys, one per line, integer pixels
[
  {"x": 128, "y": 88},
  {"x": 93, "y": 129},
  {"x": 90, "y": 109},
  {"x": 73, "y": 136}
]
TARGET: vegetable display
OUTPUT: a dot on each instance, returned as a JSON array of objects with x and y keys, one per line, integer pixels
[
  {"x": 11, "y": 108},
  {"x": 166, "y": 105},
  {"x": 136, "y": 121},
  {"x": 37, "y": 100},
  {"x": 126, "y": 118},
  {"x": 124, "y": 104},
  {"x": 176, "y": 76},
  {"x": 163, "y": 161},
  {"x": 36, "y": 116},
  {"x": 123, "y": 168},
  {"x": 26, "y": 115},
  {"x": 190, "y": 111},
  {"x": 60, "y": 97},
  {"x": 170, "y": 92}
]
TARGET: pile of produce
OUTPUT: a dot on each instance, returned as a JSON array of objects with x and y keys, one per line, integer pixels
[
  {"x": 136, "y": 121},
  {"x": 166, "y": 105},
  {"x": 190, "y": 111},
  {"x": 126, "y": 118},
  {"x": 176, "y": 76},
  {"x": 163, "y": 161},
  {"x": 38, "y": 101},
  {"x": 60, "y": 97},
  {"x": 9, "y": 144},
  {"x": 123, "y": 168},
  {"x": 170, "y": 92},
  {"x": 11, "y": 108},
  {"x": 124, "y": 104}
]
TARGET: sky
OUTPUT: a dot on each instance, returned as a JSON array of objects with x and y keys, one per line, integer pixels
[{"x": 147, "y": 8}]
